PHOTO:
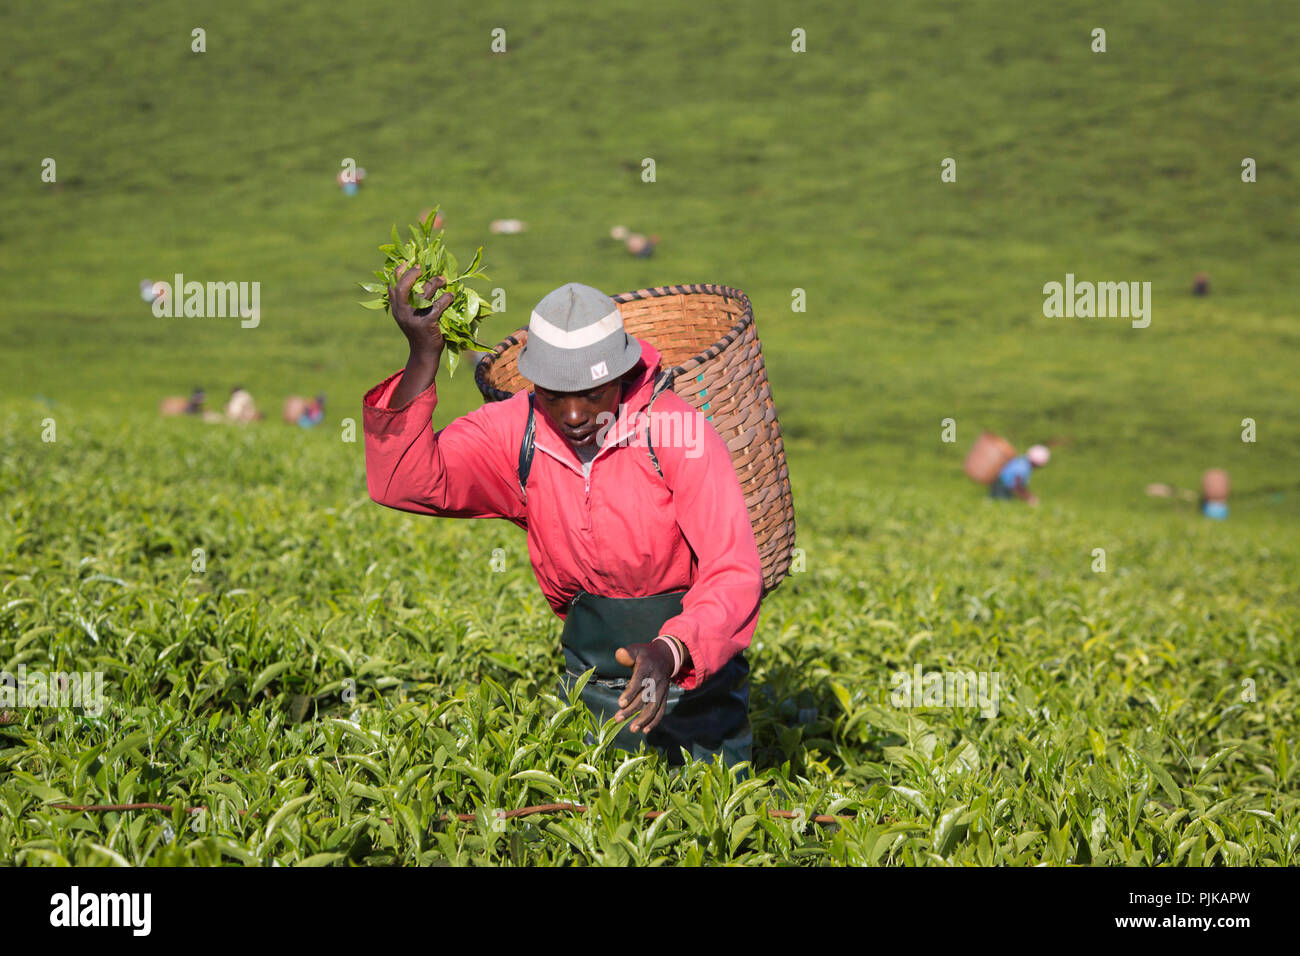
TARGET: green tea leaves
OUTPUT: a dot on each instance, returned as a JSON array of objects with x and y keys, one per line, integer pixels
[{"x": 460, "y": 321}]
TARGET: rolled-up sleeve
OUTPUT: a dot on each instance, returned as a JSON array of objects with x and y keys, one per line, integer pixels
[
  {"x": 465, "y": 470},
  {"x": 720, "y": 609}
]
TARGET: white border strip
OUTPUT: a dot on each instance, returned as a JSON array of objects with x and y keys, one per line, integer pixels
[{"x": 552, "y": 334}]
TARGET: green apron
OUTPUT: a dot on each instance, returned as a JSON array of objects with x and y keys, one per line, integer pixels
[{"x": 712, "y": 718}]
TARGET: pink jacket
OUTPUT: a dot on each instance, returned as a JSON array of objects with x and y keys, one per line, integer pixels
[{"x": 622, "y": 532}]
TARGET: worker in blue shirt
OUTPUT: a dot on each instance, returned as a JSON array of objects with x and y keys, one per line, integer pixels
[{"x": 1013, "y": 479}]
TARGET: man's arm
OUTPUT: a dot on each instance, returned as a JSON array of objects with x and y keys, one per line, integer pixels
[
  {"x": 461, "y": 471},
  {"x": 1021, "y": 491},
  {"x": 465, "y": 470},
  {"x": 720, "y": 611}
]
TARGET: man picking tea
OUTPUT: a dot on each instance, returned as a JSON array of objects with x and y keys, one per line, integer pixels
[{"x": 656, "y": 576}]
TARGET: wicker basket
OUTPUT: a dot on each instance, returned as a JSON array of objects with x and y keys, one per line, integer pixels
[
  {"x": 987, "y": 457},
  {"x": 706, "y": 336}
]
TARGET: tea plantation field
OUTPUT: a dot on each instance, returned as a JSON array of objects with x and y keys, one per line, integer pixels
[
  {"x": 1121, "y": 734},
  {"x": 332, "y": 682}
]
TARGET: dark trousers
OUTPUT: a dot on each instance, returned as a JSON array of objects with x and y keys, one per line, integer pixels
[{"x": 710, "y": 719}]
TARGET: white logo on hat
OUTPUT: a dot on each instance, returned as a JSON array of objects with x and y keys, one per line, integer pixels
[{"x": 598, "y": 370}]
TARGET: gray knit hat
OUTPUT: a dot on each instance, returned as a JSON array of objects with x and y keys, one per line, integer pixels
[{"x": 576, "y": 341}]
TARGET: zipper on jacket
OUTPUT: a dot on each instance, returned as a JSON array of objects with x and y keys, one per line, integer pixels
[
  {"x": 586, "y": 482},
  {"x": 586, "y": 476},
  {"x": 586, "y": 513}
]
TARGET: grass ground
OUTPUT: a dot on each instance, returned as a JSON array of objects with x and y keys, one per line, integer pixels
[{"x": 1125, "y": 733}]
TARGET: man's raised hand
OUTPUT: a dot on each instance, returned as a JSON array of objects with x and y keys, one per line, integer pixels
[{"x": 420, "y": 326}]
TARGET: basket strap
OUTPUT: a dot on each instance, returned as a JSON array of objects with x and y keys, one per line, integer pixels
[
  {"x": 526, "y": 448},
  {"x": 665, "y": 379}
]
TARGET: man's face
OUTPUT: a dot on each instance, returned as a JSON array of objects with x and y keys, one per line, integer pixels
[{"x": 576, "y": 414}]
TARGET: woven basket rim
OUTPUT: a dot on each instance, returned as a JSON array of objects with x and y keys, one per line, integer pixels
[{"x": 494, "y": 394}]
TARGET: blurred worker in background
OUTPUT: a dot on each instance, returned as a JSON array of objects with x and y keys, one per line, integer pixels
[
  {"x": 643, "y": 247},
  {"x": 303, "y": 412},
  {"x": 1013, "y": 479},
  {"x": 350, "y": 180},
  {"x": 175, "y": 405},
  {"x": 314, "y": 413},
  {"x": 1214, "y": 494},
  {"x": 240, "y": 407}
]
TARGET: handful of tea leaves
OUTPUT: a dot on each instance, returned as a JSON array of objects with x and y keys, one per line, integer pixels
[{"x": 459, "y": 322}]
